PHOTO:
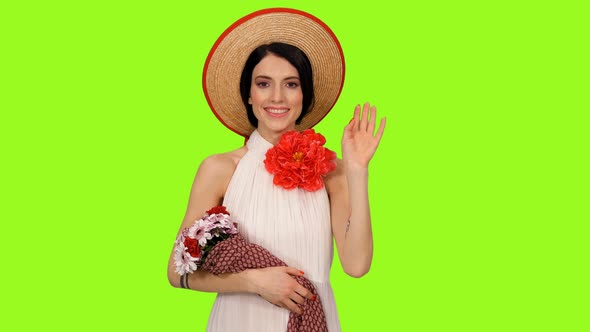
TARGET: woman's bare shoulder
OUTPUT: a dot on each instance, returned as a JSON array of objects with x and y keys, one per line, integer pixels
[
  {"x": 222, "y": 163},
  {"x": 212, "y": 180}
]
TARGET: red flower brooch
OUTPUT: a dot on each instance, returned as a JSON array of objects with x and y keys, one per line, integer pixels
[{"x": 300, "y": 160}]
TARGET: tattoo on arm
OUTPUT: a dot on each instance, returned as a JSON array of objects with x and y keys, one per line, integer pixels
[
  {"x": 182, "y": 281},
  {"x": 347, "y": 228},
  {"x": 186, "y": 281}
]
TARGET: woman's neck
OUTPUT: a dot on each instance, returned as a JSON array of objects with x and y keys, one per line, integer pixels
[{"x": 272, "y": 136}]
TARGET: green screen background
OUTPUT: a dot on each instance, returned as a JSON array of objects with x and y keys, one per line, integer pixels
[{"x": 479, "y": 189}]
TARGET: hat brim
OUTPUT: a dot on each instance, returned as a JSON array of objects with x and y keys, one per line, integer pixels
[{"x": 225, "y": 62}]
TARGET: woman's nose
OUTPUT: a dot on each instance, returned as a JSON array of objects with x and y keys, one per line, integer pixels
[{"x": 277, "y": 94}]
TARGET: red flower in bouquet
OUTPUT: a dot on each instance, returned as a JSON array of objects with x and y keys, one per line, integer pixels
[
  {"x": 300, "y": 160},
  {"x": 194, "y": 243},
  {"x": 218, "y": 209}
]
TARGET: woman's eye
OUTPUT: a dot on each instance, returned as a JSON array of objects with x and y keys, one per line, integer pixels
[
  {"x": 292, "y": 84},
  {"x": 262, "y": 84}
]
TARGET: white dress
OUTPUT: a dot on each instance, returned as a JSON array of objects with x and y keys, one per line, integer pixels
[{"x": 292, "y": 224}]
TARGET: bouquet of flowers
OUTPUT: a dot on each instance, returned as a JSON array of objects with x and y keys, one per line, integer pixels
[
  {"x": 213, "y": 244},
  {"x": 300, "y": 160},
  {"x": 194, "y": 243}
]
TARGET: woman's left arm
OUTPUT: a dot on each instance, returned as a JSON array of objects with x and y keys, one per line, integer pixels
[{"x": 348, "y": 191}]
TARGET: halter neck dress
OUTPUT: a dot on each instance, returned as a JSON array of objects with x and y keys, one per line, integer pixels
[{"x": 294, "y": 225}]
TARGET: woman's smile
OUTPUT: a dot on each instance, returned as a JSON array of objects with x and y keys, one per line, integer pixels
[{"x": 277, "y": 112}]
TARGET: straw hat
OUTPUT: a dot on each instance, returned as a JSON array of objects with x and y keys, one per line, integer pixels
[{"x": 225, "y": 62}]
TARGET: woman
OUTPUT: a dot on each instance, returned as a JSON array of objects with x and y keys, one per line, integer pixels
[{"x": 282, "y": 89}]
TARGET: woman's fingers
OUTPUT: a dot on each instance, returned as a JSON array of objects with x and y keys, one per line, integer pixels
[
  {"x": 356, "y": 118},
  {"x": 293, "y": 294},
  {"x": 380, "y": 130},
  {"x": 365, "y": 118},
  {"x": 360, "y": 140},
  {"x": 293, "y": 271},
  {"x": 371, "y": 126},
  {"x": 297, "y": 298},
  {"x": 290, "y": 305},
  {"x": 304, "y": 292}
]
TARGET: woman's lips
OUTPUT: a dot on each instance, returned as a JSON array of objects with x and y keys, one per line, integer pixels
[{"x": 277, "y": 112}]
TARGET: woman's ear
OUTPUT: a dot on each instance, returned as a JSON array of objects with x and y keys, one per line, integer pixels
[{"x": 250, "y": 100}]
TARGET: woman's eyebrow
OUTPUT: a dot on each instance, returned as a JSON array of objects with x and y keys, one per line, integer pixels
[
  {"x": 263, "y": 76},
  {"x": 270, "y": 78}
]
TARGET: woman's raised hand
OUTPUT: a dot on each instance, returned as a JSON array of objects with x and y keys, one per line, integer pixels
[{"x": 359, "y": 140}]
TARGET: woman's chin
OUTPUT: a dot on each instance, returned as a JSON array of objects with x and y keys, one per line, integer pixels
[{"x": 278, "y": 125}]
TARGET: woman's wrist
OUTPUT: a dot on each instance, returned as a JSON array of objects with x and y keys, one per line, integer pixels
[
  {"x": 353, "y": 169},
  {"x": 249, "y": 281}
]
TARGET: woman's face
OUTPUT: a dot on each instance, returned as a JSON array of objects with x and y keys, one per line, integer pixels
[{"x": 275, "y": 95}]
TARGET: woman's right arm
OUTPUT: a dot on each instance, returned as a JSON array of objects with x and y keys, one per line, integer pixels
[
  {"x": 207, "y": 191},
  {"x": 274, "y": 284}
]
